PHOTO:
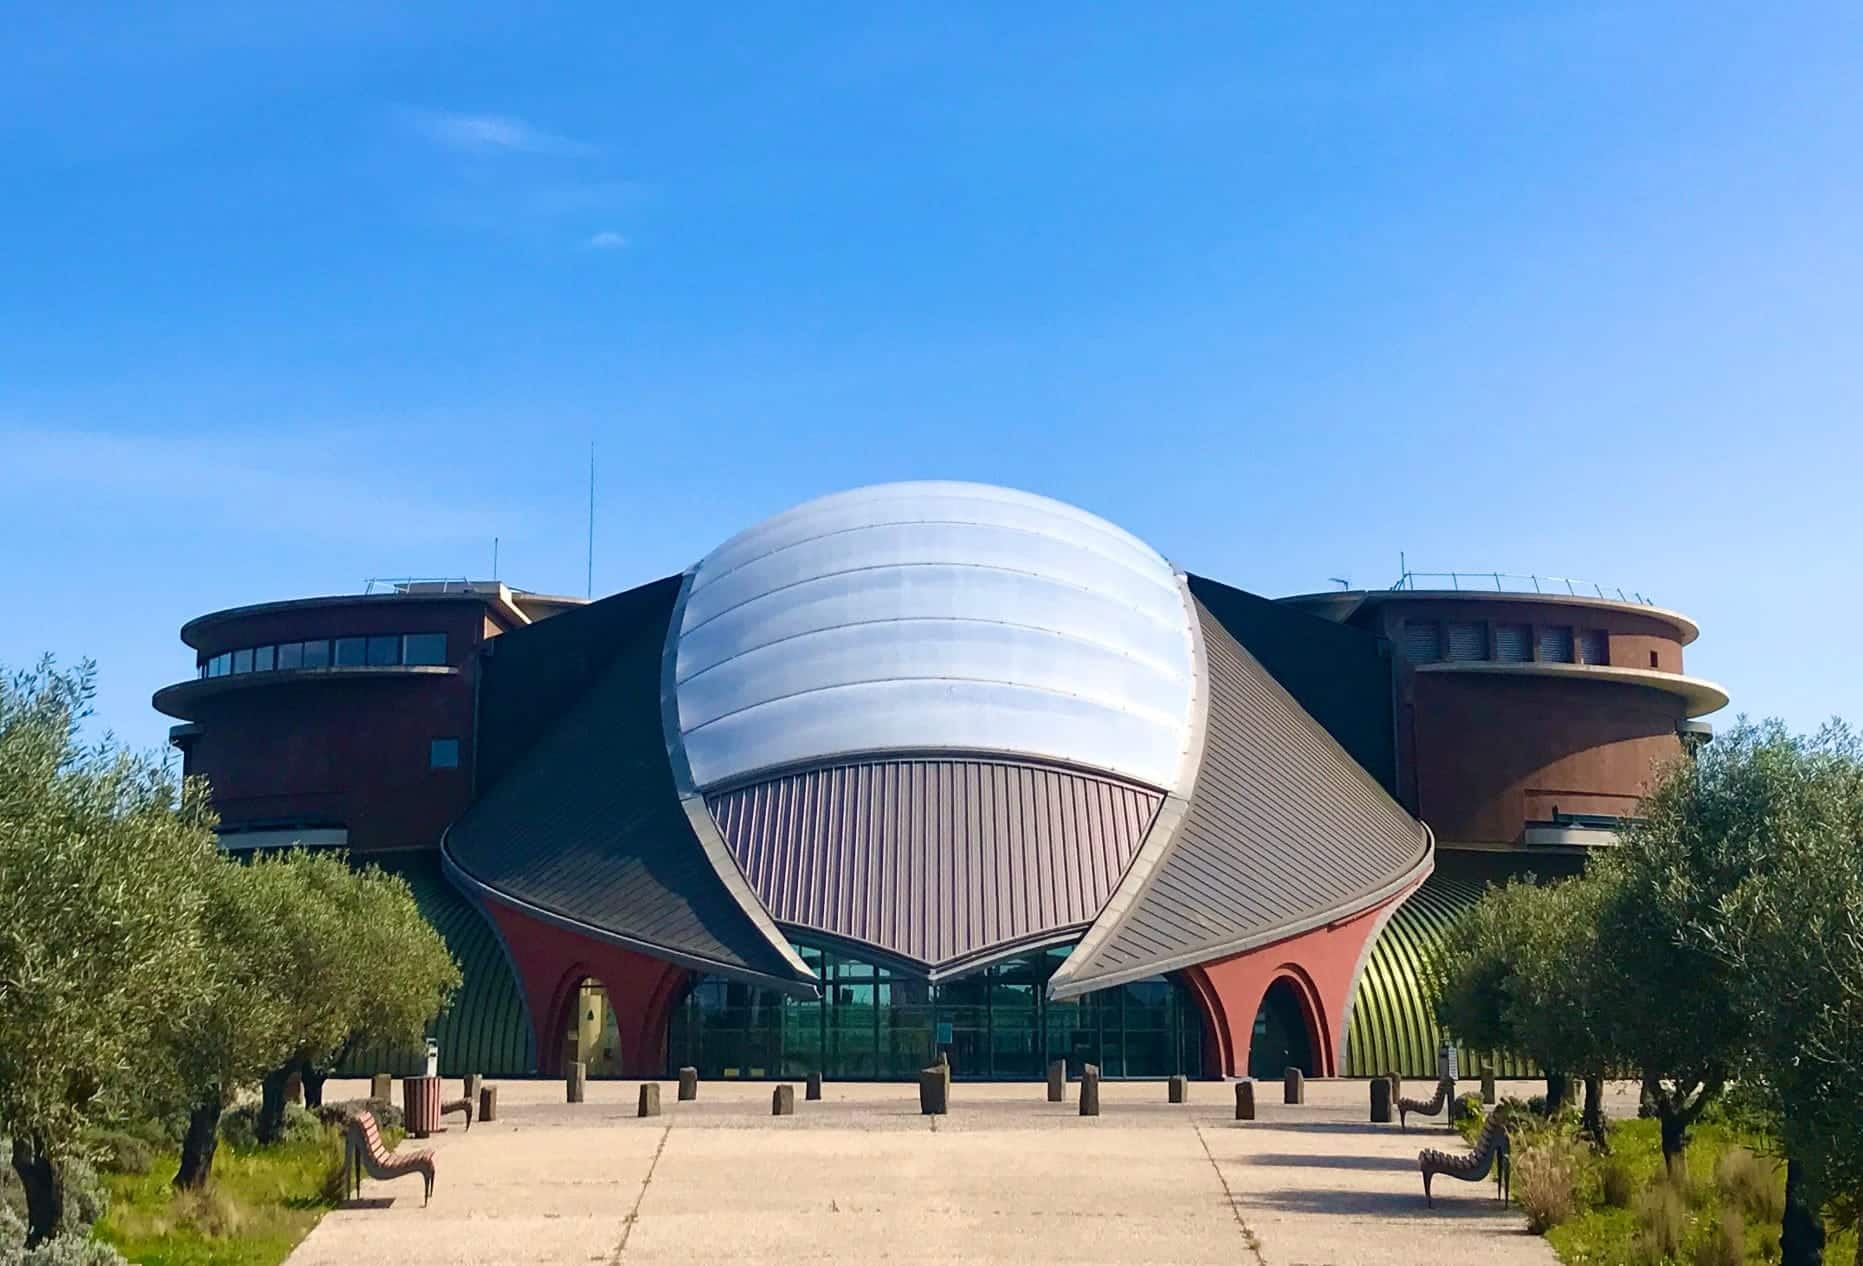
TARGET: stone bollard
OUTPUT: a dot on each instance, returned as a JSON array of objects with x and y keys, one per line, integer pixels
[
  {"x": 488, "y": 1103},
  {"x": 576, "y": 1080},
  {"x": 1177, "y": 1090},
  {"x": 473, "y": 1082},
  {"x": 382, "y": 1086},
  {"x": 934, "y": 1091},
  {"x": 1057, "y": 1081},
  {"x": 1383, "y": 1107},
  {"x": 1090, "y": 1091},
  {"x": 1293, "y": 1086},
  {"x": 1487, "y": 1086},
  {"x": 783, "y": 1101},
  {"x": 688, "y": 1084},
  {"x": 1245, "y": 1101},
  {"x": 814, "y": 1088},
  {"x": 649, "y": 1099}
]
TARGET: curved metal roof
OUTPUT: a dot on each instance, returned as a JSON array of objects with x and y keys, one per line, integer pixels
[{"x": 946, "y": 617}]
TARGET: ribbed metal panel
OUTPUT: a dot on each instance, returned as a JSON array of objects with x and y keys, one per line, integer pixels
[
  {"x": 936, "y": 860},
  {"x": 1393, "y": 1027},
  {"x": 1283, "y": 830},
  {"x": 486, "y": 1029},
  {"x": 1423, "y": 642},
  {"x": 1468, "y": 641},
  {"x": 586, "y": 826}
]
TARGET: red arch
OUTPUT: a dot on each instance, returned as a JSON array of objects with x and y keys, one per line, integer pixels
[
  {"x": 1321, "y": 965},
  {"x": 552, "y": 961}
]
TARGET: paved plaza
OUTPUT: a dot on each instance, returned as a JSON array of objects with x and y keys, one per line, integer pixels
[{"x": 861, "y": 1177}]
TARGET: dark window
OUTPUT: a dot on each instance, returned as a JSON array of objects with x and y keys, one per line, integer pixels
[
  {"x": 1423, "y": 642},
  {"x": 1556, "y": 644},
  {"x": 426, "y": 648},
  {"x": 220, "y": 665},
  {"x": 1595, "y": 646},
  {"x": 317, "y": 654},
  {"x": 242, "y": 661},
  {"x": 443, "y": 754},
  {"x": 1653, "y": 663},
  {"x": 291, "y": 655},
  {"x": 1468, "y": 641},
  {"x": 1513, "y": 643},
  {"x": 384, "y": 651},
  {"x": 351, "y": 652},
  {"x": 262, "y": 659}
]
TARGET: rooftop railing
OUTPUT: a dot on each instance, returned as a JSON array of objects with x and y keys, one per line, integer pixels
[
  {"x": 1515, "y": 582},
  {"x": 418, "y": 584}
]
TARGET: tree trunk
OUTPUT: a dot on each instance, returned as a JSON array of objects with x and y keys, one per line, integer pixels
[
  {"x": 313, "y": 1085},
  {"x": 269, "y": 1125},
  {"x": 45, "y": 1203},
  {"x": 1674, "y": 1131},
  {"x": 1652, "y": 1091},
  {"x": 1801, "y": 1231},
  {"x": 197, "y": 1146},
  {"x": 1555, "y": 1093},
  {"x": 1593, "y": 1124}
]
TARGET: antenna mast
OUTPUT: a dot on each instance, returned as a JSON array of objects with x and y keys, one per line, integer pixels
[{"x": 589, "y": 583}]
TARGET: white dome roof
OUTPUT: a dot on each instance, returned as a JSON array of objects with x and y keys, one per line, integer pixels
[{"x": 947, "y": 617}]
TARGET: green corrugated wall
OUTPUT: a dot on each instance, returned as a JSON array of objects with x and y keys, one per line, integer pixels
[
  {"x": 1393, "y": 1027},
  {"x": 485, "y": 1030}
]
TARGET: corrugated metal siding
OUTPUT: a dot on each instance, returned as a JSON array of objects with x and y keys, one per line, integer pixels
[
  {"x": 485, "y": 1030},
  {"x": 935, "y": 859},
  {"x": 1468, "y": 641},
  {"x": 1513, "y": 643},
  {"x": 1423, "y": 642},
  {"x": 1282, "y": 826},
  {"x": 1393, "y": 1026},
  {"x": 586, "y": 824}
]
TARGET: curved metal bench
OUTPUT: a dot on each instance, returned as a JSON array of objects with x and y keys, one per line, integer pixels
[
  {"x": 1426, "y": 1107},
  {"x": 458, "y": 1105},
  {"x": 1491, "y": 1153},
  {"x": 362, "y": 1142}
]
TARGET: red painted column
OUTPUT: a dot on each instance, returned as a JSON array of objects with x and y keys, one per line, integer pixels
[
  {"x": 1322, "y": 965},
  {"x": 552, "y": 961}
]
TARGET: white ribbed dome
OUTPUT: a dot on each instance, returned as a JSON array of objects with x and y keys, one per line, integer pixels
[{"x": 934, "y": 617}]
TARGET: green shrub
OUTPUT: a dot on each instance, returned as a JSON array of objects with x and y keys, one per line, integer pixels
[
  {"x": 238, "y": 1128},
  {"x": 387, "y": 1115},
  {"x": 1722, "y": 1244},
  {"x": 1616, "y": 1185},
  {"x": 1662, "y": 1222},
  {"x": 1547, "y": 1177},
  {"x": 1750, "y": 1184},
  {"x": 120, "y": 1152}
]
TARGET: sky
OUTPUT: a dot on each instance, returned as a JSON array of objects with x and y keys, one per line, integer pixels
[{"x": 293, "y": 296}]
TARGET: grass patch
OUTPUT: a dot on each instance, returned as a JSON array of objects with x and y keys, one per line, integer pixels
[
  {"x": 1728, "y": 1193},
  {"x": 261, "y": 1202}
]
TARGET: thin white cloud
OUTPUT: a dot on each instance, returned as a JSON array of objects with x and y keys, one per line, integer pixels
[
  {"x": 260, "y": 484},
  {"x": 607, "y": 241},
  {"x": 491, "y": 134}
]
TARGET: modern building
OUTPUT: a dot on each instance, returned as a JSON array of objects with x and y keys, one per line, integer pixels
[{"x": 940, "y": 767}]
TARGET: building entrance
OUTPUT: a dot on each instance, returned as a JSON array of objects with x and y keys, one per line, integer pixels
[
  {"x": 876, "y": 1023},
  {"x": 1280, "y": 1038}
]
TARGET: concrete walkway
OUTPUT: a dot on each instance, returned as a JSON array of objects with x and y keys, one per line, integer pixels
[{"x": 862, "y": 1177}]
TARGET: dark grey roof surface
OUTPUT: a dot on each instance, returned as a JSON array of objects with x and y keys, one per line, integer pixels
[
  {"x": 937, "y": 860},
  {"x": 585, "y": 827},
  {"x": 1283, "y": 831}
]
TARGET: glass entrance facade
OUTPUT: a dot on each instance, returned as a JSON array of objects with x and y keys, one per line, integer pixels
[{"x": 878, "y": 1023}]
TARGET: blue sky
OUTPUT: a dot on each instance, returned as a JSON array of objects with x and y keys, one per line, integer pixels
[{"x": 292, "y": 296}]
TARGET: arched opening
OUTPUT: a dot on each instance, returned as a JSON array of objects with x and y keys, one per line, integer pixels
[
  {"x": 1283, "y": 1034},
  {"x": 588, "y": 1029}
]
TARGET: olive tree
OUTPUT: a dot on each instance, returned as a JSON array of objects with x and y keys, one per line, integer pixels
[
  {"x": 1525, "y": 976},
  {"x": 102, "y": 865},
  {"x": 1709, "y": 822},
  {"x": 1791, "y": 935},
  {"x": 368, "y": 968}
]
